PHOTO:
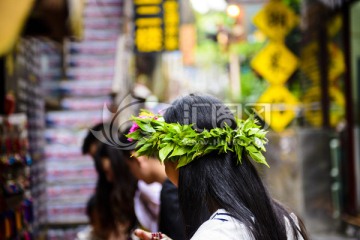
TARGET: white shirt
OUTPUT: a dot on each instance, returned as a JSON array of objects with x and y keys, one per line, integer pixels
[
  {"x": 147, "y": 205},
  {"x": 222, "y": 225}
]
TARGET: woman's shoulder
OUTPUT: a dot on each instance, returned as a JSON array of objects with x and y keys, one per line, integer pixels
[
  {"x": 289, "y": 231},
  {"x": 222, "y": 225}
]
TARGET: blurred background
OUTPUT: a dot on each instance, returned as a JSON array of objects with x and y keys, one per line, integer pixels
[{"x": 294, "y": 63}]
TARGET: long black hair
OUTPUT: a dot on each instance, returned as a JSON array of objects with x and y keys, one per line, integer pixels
[
  {"x": 114, "y": 200},
  {"x": 216, "y": 181}
]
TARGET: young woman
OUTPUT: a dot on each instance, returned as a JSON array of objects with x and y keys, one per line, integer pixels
[
  {"x": 114, "y": 195},
  {"x": 224, "y": 182}
]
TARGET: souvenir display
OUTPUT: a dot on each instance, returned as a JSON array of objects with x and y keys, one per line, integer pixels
[
  {"x": 81, "y": 92},
  {"x": 15, "y": 198}
]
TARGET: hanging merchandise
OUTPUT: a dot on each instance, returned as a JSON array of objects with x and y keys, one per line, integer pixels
[
  {"x": 30, "y": 100},
  {"x": 15, "y": 198},
  {"x": 81, "y": 92},
  {"x": 276, "y": 63}
]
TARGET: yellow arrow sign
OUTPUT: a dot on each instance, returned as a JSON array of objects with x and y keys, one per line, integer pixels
[
  {"x": 275, "y": 63},
  {"x": 283, "y": 107},
  {"x": 275, "y": 20}
]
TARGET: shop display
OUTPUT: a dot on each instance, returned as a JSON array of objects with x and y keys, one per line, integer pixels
[
  {"x": 81, "y": 92},
  {"x": 61, "y": 89},
  {"x": 15, "y": 161}
]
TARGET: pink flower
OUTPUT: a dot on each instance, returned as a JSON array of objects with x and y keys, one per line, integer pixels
[{"x": 133, "y": 128}]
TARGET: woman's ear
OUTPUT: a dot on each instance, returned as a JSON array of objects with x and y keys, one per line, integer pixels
[
  {"x": 172, "y": 172},
  {"x": 134, "y": 158},
  {"x": 141, "y": 160}
]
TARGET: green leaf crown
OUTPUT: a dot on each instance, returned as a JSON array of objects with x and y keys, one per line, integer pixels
[{"x": 176, "y": 142}]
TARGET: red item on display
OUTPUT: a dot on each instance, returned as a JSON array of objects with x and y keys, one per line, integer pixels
[{"x": 9, "y": 104}]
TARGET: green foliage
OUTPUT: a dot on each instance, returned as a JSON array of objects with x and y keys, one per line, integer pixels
[
  {"x": 251, "y": 85},
  {"x": 208, "y": 50},
  {"x": 247, "y": 50},
  {"x": 182, "y": 143}
]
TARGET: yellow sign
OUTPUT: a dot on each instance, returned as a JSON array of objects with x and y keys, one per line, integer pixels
[
  {"x": 337, "y": 62},
  {"x": 148, "y": 26},
  {"x": 310, "y": 65},
  {"x": 149, "y": 39},
  {"x": 313, "y": 110},
  {"x": 171, "y": 25},
  {"x": 275, "y": 20},
  {"x": 275, "y": 63},
  {"x": 334, "y": 25},
  {"x": 282, "y": 107},
  {"x": 309, "y": 61},
  {"x": 156, "y": 25}
]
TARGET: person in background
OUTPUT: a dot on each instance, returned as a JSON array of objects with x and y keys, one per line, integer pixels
[
  {"x": 89, "y": 232},
  {"x": 147, "y": 205},
  {"x": 91, "y": 143},
  {"x": 150, "y": 170},
  {"x": 115, "y": 190},
  {"x": 147, "y": 197},
  {"x": 224, "y": 181},
  {"x": 90, "y": 147}
]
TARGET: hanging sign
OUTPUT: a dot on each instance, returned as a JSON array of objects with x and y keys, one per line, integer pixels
[
  {"x": 171, "y": 25},
  {"x": 275, "y": 20},
  {"x": 156, "y": 25},
  {"x": 275, "y": 63},
  {"x": 148, "y": 25},
  {"x": 337, "y": 62},
  {"x": 309, "y": 61},
  {"x": 283, "y": 107},
  {"x": 310, "y": 65},
  {"x": 312, "y": 106},
  {"x": 334, "y": 25}
]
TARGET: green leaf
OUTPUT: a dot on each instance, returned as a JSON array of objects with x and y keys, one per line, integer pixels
[
  {"x": 239, "y": 150},
  {"x": 259, "y": 144},
  {"x": 182, "y": 162},
  {"x": 261, "y": 134},
  {"x": 247, "y": 125},
  {"x": 210, "y": 149},
  {"x": 253, "y": 131},
  {"x": 178, "y": 151},
  {"x": 145, "y": 127},
  {"x": 134, "y": 135},
  {"x": 251, "y": 148},
  {"x": 188, "y": 142},
  {"x": 177, "y": 128},
  {"x": 164, "y": 152},
  {"x": 259, "y": 158},
  {"x": 245, "y": 140},
  {"x": 144, "y": 148}
]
